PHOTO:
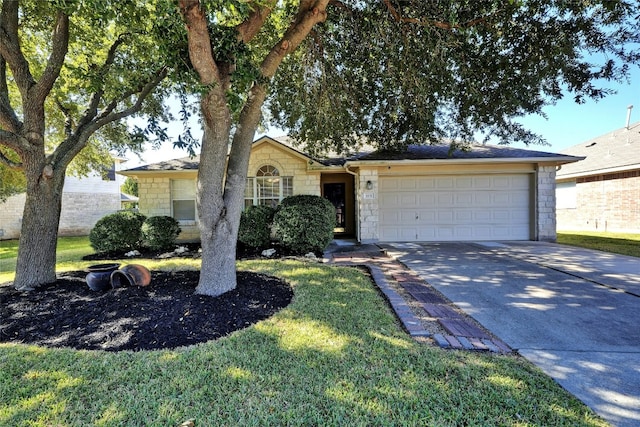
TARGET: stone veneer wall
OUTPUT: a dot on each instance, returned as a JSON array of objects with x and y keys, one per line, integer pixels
[
  {"x": 546, "y": 203},
  {"x": 368, "y": 215},
  {"x": 604, "y": 203},
  {"x": 80, "y": 212},
  {"x": 154, "y": 199},
  {"x": 11, "y": 216},
  {"x": 288, "y": 165},
  {"x": 155, "y": 192}
]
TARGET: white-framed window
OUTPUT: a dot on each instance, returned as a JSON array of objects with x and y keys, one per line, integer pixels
[
  {"x": 183, "y": 200},
  {"x": 566, "y": 195},
  {"x": 267, "y": 187}
]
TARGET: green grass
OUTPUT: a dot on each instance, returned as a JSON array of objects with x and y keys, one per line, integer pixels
[
  {"x": 619, "y": 243},
  {"x": 335, "y": 356},
  {"x": 70, "y": 251}
]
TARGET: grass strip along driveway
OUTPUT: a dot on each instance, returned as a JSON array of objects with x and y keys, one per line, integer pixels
[
  {"x": 335, "y": 356},
  {"x": 618, "y": 243}
]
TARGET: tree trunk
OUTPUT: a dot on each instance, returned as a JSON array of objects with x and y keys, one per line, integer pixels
[
  {"x": 36, "y": 263},
  {"x": 220, "y": 211},
  {"x": 218, "y": 230}
]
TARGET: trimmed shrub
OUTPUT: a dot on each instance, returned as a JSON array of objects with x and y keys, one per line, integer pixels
[
  {"x": 120, "y": 231},
  {"x": 255, "y": 226},
  {"x": 160, "y": 232},
  {"x": 304, "y": 223}
]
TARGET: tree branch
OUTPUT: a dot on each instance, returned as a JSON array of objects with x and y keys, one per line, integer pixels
[
  {"x": 8, "y": 118},
  {"x": 108, "y": 116},
  {"x": 14, "y": 141},
  {"x": 10, "y": 48},
  {"x": 200, "y": 51},
  {"x": 8, "y": 162},
  {"x": 75, "y": 142},
  {"x": 92, "y": 110},
  {"x": 310, "y": 13},
  {"x": 68, "y": 118},
  {"x": 432, "y": 23},
  {"x": 248, "y": 29},
  {"x": 59, "y": 48}
]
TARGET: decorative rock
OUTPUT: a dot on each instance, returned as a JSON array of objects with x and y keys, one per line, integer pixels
[
  {"x": 132, "y": 253},
  {"x": 311, "y": 255},
  {"x": 269, "y": 253},
  {"x": 180, "y": 250}
]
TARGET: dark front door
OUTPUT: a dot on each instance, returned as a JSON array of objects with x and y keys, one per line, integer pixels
[
  {"x": 335, "y": 192},
  {"x": 338, "y": 189}
]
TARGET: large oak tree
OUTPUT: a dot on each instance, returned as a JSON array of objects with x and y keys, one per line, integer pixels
[
  {"x": 70, "y": 71},
  {"x": 391, "y": 71}
]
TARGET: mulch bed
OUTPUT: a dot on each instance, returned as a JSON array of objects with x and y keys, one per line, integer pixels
[{"x": 165, "y": 314}]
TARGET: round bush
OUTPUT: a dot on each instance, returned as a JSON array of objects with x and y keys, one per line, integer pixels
[
  {"x": 255, "y": 226},
  {"x": 160, "y": 232},
  {"x": 120, "y": 231},
  {"x": 305, "y": 226},
  {"x": 308, "y": 200}
]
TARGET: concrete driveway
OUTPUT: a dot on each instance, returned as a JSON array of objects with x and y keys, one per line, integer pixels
[{"x": 575, "y": 313}]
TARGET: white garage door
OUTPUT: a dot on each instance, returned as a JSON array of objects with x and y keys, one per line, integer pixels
[{"x": 454, "y": 208}]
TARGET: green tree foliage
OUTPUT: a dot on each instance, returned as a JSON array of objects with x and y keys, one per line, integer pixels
[
  {"x": 392, "y": 72},
  {"x": 12, "y": 180},
  {"x": 130, "y": 187},
  {"x": 410, "y": 71},
  {"x": 70, "y": 71}
]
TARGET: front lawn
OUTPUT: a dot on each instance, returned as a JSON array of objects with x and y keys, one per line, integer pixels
[
  {"x": 619, "y": 243},
  {"x": 335, "y": 356}
]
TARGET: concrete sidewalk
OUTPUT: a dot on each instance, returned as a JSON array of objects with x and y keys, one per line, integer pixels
[{"x": 572, "y": 312}]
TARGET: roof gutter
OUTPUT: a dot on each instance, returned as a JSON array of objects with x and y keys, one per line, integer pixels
[{"x": 558, "y": 160}]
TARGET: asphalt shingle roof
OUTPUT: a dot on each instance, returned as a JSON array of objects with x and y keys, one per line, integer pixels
[
  {"x": 441, "y": 152},
  {"x": 182, "y": 164},
  {"x": 619, "y": 149},
  {"x": 413, "y": 152}
]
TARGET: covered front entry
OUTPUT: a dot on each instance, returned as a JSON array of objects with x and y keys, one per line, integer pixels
[
  {"x": 338, "y": 189},
  {"x": 455, "y": 207}
]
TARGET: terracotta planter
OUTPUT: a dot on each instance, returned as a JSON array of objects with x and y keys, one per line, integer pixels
[
  {"x": 131, "y": 275},
  {"x": 99, "y": 276}
]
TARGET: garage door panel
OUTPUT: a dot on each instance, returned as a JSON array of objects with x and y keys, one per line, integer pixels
[
  {"x": 425, "y": 217},
  {"x": 464, "y": 183},
  {"x": 427, "y": 199},
  {"x": 455, "y": 208},
  {"x": 464, "y": 198}
]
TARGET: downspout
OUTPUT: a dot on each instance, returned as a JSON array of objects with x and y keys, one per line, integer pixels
[{"x": 357, "y": 201}]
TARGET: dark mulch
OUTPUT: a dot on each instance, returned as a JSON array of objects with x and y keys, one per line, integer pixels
[{"x": 165, "y": 314}]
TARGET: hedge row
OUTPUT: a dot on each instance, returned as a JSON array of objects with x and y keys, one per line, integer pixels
[
  {"x": 127, "y": 230},
  {"x": 301, "y": 224}
]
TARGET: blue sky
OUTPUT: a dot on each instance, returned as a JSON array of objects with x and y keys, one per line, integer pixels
[{"x": 568, "y": 123}]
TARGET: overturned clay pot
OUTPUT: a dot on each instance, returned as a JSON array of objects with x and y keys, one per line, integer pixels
[{"x": 131, "y": 275}]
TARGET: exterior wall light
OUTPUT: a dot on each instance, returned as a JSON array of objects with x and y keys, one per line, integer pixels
[{"x": 369, "y": 185}]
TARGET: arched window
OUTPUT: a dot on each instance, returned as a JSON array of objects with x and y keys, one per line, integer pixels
[{"x": 267, "y": 187}]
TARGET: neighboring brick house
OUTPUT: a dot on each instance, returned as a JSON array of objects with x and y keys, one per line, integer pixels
[
  {"x": 601, "y": 192},
  {"x": 422, "y": 194},
  {"x": 84, "y": 201}
]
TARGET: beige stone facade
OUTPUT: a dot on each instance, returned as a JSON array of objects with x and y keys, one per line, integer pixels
[
  {"x": 84, "y": 202},
  {"x": 546, "y": 203},
  {"x": 535, "y": 191}
]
